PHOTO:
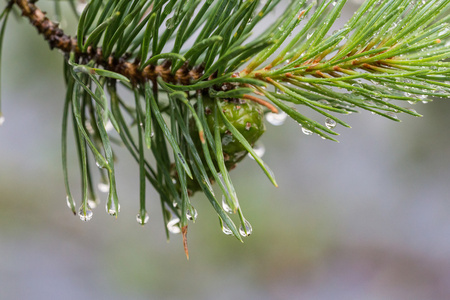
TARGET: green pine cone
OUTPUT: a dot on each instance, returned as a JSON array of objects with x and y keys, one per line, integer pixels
[{"x": 246, "y": 116}]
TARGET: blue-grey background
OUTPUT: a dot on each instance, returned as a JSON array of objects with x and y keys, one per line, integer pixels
[{"x": 366, "y": 218}]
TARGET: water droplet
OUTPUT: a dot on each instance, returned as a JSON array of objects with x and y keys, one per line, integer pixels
[
  {"x": 101, "y": 164},
  {"x": 170, "y": 23},
  {"x": 68, "y": 202},
  {"x": 330, "y": 123},
  {"x": 175, "y": 204},
  {"x": 93, "y": 203},
  {"x": 85, "y": 215},
  {"x": 276, "y": 119},
  {"x": 225, "y": 205},
  {"x": 323, "y": 102},
  {"x": 80, "y": 7},
  {"x": 259, "y": 149},
  {"x": 306, "y": 131},
  {"x": 248, "y": 229},
  {"x": 111, "y": 208},
  {"x": 140, "y": 220},
  {"x": 226, "y": 229},
  {"x": 173, "y": 225},
  {"x": 109, "y": 126},
  {"x": 192, "y": 216},
  {"x": 2, "y": 119},
  {"x": 412, "y": 110},
  {"x": 392, "y": 115},
  {"x": 103, "y": 187},
  {"x": 309, "y": 35}
]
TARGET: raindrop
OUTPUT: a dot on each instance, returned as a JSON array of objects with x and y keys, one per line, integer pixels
[
  {"x": 173, "y": 225},
  {"x": 140, "y": 220},
  {"x": 309, "y": 35},
  {"x": 170, "y": 23},
  {"x": 111, "y": 208},
  {"x": 323, "y": 102},
  {"x": 175, "y": 204},
  {"x": 330, "y": 123},
  {"x": 109, "y": 126},
  {"x": 192, "y": 215},
  {"x": 93, "y": 203},
  {"x": 248, "y": 229},
  {"x": 280, "y": 92},
  {"x": 68, "y": 202},
  {"x": 85, "y": 215},
  {"x": 103, "y": 187},
  {"x": 225, "y": 205},
  {"x": 259, "y": 149},
  {"x": 276, "y": 119},
  {"x": 306, "y": 131},
  {"x": 80, "y": 7},
  {"x": 392, "y": 115},
  {"x": 226, "y": 229},
  {"x": 412, "y": 110},
  {"x": 2, "y": 119}
]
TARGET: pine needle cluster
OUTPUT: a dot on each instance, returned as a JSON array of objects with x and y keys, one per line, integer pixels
[{"x": 202, "y": 85}]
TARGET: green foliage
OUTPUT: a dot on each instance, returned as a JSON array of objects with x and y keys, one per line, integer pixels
[{"x": 178, "y": 58}]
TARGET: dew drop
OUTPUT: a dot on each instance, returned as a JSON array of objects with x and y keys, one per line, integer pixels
[
  {"x": 306, "y": 131},
  {"x": 276, "y": 119},
  {"x": 392, "y": 115},
  {"x": 225, "y": 205},
  {"x": 93, "y": 203},
  {"x": 80, "y": 7},
  {"x": 2, "y": 119},
  {"x": 68, "y": 202},
  {"x": 173, "y": 226},
  {"x": 412, "y": 110},
  {"x": 111, "y": 208},
  {"x": 85, "y": 215},
  {"x": 248, "y": 229},
  {"x": 192, "y": 215},
  {"x": 140, "y": 220},
  {"x": 259, "y": 149},
  {"x": 103, "y": 187},
  {"x": 109, "y": 126},
  {"x": 280, "y": 92},
  {"x": 323, "y": 102},
  {"x": 330, "y": 123},
  {"x": 226, "y": 229}
]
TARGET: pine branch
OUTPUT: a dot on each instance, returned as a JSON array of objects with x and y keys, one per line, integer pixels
[
  {"x": 57, "y": 39},
  {"x": 200, "y": 107}
]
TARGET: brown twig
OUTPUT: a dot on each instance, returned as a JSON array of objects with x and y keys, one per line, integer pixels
[{"x": 57, "y": 39}]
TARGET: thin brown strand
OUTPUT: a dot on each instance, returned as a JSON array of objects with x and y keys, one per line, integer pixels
[{"x": 271, "y": 107}]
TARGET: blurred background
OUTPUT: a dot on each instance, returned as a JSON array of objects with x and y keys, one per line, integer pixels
[{"x": 366, "y": 218}]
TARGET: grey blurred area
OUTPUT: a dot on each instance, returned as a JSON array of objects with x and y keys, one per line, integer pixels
[{"x": 367, "y": 218}]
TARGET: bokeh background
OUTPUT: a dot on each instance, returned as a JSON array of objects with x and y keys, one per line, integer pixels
[{"x": 366, "y": 218}]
